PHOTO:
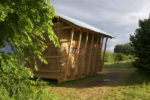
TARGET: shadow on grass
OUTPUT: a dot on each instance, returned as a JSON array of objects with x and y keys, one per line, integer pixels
[
  {"x": 137, "y": 78},
  {"x": 78, "y": 83},
  {"x": 126, "y": 77}
]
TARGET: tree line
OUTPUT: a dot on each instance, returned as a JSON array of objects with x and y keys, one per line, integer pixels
[{"x": 124, "y": 49}]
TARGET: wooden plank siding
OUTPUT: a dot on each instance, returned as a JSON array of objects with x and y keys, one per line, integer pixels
[
  {"x": 104, "y": 51},
  {"x": 70, "y": 46},
  {"x": 95, "y": 55},
  {"x": 90, "y": 54},
  {"x": 100, "y": 60},
  {"x": 83, "y": 56},
  {"x": 77, "y": 54},
  {"x": 98, "y": 53}
]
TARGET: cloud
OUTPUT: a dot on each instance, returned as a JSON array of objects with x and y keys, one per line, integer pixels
[{"x": 117, "y": 17}]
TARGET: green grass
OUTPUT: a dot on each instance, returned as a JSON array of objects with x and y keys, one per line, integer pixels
[
  {"x": 119, "y": 64},
  {"x": 132, "y": 85}
]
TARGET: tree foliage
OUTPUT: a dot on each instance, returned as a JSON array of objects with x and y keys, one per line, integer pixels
[
  {"x": 124, "y": 49},
  {"x": 141, "y": 43},
  {"x": 23, "y": 24}
]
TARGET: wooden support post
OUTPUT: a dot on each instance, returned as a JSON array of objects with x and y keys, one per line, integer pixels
[
  {"x": 98, "y": 54},
  {"x": 100, "y": 60},
  {"x": 83, "y": 56},
  {"x": 104, "y": 51},
  {"x": 95, "y": 55},
  {"x": 70, "y": 46},
  {"x": 77, "y": 54},
  {"x": 90, "y": 54}
]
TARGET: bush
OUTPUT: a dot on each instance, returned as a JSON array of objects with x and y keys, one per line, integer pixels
[
  {"x": 17, "y": 83},
  {"x": 108, "y": 57},
  {"x": 112, "y": 57},
  {"x": 122, "y": 57}
]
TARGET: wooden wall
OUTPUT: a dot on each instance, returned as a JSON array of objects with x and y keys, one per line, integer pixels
[{"x": 79, "y": 54}]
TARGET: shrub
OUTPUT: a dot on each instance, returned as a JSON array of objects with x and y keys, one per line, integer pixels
[
  {"x": 121, "y": 57},
  {"x": 108, "y": 57},
  {"x": 16, "y": 81}
]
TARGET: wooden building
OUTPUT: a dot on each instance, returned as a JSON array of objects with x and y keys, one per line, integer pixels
[{"x": 80, "y": 52}]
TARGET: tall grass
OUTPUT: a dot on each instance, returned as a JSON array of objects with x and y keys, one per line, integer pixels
[{"x": 34, "y": 93}]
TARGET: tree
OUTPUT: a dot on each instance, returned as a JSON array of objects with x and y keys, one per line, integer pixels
[
  {"x": 23, "y": 24},
  {"x": 125, "y": 49},
  {"x": 141, "y": 44}
]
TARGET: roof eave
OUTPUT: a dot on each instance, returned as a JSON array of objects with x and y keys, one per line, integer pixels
[{"x": 83, "y": 27}]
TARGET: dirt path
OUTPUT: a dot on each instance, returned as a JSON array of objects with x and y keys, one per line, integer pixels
[
  {"x": 112, "y": 78},
  {"x": 92, "y": 89}
]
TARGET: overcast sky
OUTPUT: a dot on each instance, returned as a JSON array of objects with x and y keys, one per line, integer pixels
[{"x": 117, "y": 17}]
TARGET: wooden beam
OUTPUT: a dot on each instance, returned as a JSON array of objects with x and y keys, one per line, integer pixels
[
  {"x": 69, "y": 23},
  {"x": 70, "y": 46},
  {"x": 90, "y": 54},
  {"x": 100, "y": 60},
  {"x": 49, "y": 70},
  {"x": 49, "y": 57},
  {"x": 51, "y": 43},
  {"x": 83, "y": 56},
  {"x": 52, "y": 57},
  {"x": 104, "y": 51},
  {"x": 98, "y": 54},
  {"x": 54, "y": 24},
  {"x": 77, "y": 54},
  {"x": 62, "y": 28},
  {"x": 95, "y": 55}
]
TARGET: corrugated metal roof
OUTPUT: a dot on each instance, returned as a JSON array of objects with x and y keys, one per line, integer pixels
[{"x": 83, "y": 24}]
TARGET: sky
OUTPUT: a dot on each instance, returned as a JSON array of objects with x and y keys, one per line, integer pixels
[{"x": 116, "y": 17}]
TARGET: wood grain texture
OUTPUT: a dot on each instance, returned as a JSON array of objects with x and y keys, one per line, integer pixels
[
  {"x": 70, "y": 46},
  {"x": 83, "y": 56},
  {"x": 95, "y": 55},
  {"x": 104, "y": 51},
  {"x": 77, "y": 54},
  {"x": 100, "y": 60},
  {"x": 90, "y": 54}
]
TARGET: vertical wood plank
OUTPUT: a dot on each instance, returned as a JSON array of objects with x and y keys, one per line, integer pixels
[
  {"x": 77, "y": 54},
  {"x": 70, "y": 46},
  {"x": 104, "y": 51},
  {"x": 95, "y": 55},
  {"x": 90, "y": 54},
  {"x": 100, "y": 60},
  {"x": 98, "y": 54},
  {"x": 83, "y": 56}
]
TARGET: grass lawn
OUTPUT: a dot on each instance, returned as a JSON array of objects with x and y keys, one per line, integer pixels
[{"x": 117, "y": 81}]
